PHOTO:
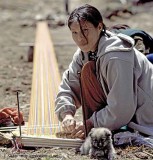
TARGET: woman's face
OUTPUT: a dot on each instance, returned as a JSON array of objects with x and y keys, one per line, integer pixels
[{"x": 89, "y": 41}]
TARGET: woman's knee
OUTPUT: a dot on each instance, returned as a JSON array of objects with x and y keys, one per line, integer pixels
[{"x": 150, "y": 57}]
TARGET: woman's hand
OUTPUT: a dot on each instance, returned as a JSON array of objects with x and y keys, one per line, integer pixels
[
  {"x": 79, "y": 131},
  {"x": 69, "y": 123}
]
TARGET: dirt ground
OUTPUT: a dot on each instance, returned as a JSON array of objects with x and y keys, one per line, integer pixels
[{"x": 17, "y": 25}]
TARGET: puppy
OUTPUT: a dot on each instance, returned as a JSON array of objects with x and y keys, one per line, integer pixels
[{"x": 98, "y": 144}]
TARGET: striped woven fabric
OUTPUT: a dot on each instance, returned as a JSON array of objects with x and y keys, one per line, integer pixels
[{"x": 45, "y": 81}]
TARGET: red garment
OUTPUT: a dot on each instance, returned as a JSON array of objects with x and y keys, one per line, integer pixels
[
  {"x": 12, "y": 113},
  {"x": 92, "y": 93}
]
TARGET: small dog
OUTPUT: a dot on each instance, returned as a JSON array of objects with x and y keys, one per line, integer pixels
[{"x": 98, "y": 144}]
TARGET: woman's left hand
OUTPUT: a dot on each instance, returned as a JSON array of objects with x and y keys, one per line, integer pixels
[{"x": 79, "y": 131}]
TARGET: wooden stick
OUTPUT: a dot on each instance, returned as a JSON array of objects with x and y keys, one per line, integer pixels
[
  {"x": 19, "y": 114},
  {"x": 51, "y": 142}
]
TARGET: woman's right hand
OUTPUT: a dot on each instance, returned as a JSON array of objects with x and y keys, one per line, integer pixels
[{"x": 69, "y": 123}]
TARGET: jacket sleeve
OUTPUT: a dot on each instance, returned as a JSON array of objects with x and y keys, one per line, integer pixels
[
  {"x": 68, "y": 97},
  {"x": 121, "y": 101}
]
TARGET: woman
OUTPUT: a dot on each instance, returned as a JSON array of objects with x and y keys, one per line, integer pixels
[{"x": 112, "y": 79}]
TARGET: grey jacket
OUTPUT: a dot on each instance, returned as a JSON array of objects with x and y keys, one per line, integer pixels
[{"x": 126, "y": 77}]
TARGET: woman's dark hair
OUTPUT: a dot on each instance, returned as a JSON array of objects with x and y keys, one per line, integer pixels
[{"x": 86, "y": 13}]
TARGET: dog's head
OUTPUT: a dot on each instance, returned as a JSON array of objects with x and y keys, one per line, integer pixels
[{"x": 100, "y": 137}]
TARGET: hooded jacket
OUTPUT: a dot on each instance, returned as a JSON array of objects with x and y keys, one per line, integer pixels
[{"x": 126, "y": 77}]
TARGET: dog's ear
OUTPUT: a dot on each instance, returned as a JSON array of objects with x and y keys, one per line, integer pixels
[
  {"x": 90, "y": 133},
  {"x": 108, "y": 134}
]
